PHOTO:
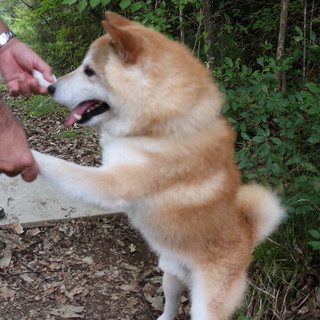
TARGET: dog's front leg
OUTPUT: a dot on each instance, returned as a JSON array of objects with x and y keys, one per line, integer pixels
[{"x": 92, "y": 185}]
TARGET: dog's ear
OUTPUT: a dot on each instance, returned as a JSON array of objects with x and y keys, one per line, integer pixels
[
  {"x": 126, "y": 41},
  {"x": 116, "y": 19}
]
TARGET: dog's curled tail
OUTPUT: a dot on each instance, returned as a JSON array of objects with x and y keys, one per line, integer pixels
[{"x": 262, "y": 209}]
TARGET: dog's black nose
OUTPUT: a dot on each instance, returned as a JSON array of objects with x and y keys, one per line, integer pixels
[{"x": 51, "y": 89}]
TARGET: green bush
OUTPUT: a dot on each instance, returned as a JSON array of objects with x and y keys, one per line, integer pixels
[{"x": 278, "y": 134}]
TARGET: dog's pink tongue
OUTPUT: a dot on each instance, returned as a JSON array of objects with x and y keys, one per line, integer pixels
[{"x": 80, "y": 109}]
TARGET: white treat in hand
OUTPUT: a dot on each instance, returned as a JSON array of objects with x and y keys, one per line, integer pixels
[{"x": 43, "y": 83}]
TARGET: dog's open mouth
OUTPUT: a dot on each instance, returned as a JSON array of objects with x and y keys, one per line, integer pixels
[{"x": 86, "y": 110}]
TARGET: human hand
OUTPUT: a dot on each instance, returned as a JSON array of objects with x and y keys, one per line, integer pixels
[
  {"x": 17, "y": 61},
  {"x": 15, "y": 155}
]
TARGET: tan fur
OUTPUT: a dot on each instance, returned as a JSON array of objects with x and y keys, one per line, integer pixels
[{"x": 168, "y": 163}]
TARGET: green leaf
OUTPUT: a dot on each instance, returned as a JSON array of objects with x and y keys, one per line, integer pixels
[
  {"x": 314, "y": 244},
  {"x": 82, "y": 5},
  {"x": 315, "y": 233},
  {"x": 69, "y": 2},
  {"x": 298, "y": 38},
  {"x": 243, "y": 127},
  {"x": 124, "y": 4},
  {"x": 244, "y": 136},
  {"x": 313, "y": 139},
  {"x": 315, "y": 109},
  {"x": 313, "y": 36},
  {"x": 228, "y": 62},
  {"x": 276, "y": 141},
  {"x": 105, "y": 2},
  {"x": 312, "y": 87},
  {"x": 308, "y": 166},
  {"x": 298, "y": 30},
  {"x": 260, "y": 61},
  {"x": 94, "y": 3},
  {"x": 262, "y": 132},
  {"x": 258, "y": 139},
  {"x": 137, "y": 6},
  {"x": 264, "y": 150}
]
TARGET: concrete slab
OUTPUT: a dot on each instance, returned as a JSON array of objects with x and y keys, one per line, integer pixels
[{"x": 38, "y": 204}]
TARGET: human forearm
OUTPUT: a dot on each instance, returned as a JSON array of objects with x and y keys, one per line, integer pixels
[
  {"x": 15, "y": 155},
  {"x": 6, "y": 118}
]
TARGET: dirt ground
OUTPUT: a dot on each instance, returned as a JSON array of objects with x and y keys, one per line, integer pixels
[{"x": 83, "y": 269}]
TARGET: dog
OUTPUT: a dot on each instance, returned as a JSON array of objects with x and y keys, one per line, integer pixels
[{"x": 167, "y": 162}]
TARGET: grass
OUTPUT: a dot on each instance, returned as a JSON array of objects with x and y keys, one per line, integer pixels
[
  {"x": 40, "y": 105},
  {"x": 284, "y": 275},
  {"x": 74, "y": 134}
]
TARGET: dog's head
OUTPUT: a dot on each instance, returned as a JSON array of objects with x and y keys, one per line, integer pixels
[{"x": 135, "y": 81}]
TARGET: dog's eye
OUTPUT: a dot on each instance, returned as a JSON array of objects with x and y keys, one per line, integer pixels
[{"x": 89, "y": 72}]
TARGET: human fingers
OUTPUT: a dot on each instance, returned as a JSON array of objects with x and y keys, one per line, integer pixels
[
  {"x": 30, "y": 169},
  {"x": 30, "y": 174},
  {"x": 13, "y": 87},
  {"x": 24, "y": 87},
  {"x": 43, "y": 91},
  {"x": 36, "y": 88},
  {"x": 10, "y": 171},
  {"x": 45, "y": 69},
  {"x": 23, "y": 164}
]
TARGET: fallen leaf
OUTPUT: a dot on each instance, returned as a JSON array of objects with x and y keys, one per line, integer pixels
[
  {"x": 33, "y": 232},
  {"x": 68, "y": 311},
  {"x": 6, "y": 256},
  {"x": 88, "y": 260},
  {"x": 6, "y": 292},
  {"x": 17, "y": 228}
]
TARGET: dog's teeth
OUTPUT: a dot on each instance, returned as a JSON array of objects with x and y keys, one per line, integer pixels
[{"x": 77, "y": 116}]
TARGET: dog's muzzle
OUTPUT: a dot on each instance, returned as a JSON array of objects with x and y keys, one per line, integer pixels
[{"x": 51, "y": 89}]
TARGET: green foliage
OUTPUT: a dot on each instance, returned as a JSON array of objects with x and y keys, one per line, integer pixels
[
  {"x": 278, "y": 134},
  {"x": 240, "y": 314},
  {"x": 245, "y": 30},
  {"x": 316, "y": 235},
  {"x": 40, "y": 105}
]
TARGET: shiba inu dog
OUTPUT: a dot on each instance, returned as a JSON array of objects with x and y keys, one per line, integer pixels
[{"x": 167, "y": 163}]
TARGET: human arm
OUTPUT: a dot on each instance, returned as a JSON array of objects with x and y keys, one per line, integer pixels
[
  {"x": 17, "y": 61},
  {"x": 15, "y": 155}
]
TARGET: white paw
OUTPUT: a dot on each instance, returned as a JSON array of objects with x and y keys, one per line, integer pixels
[
  {"x": 39, "y": 157},
  {"x": 165, "y": 317},
  {"x": 45, "y": 161}
]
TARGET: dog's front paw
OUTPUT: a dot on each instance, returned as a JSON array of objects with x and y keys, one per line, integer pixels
[
  {"x": 50, "y": 166},
  {"x": 44, "y": 161},
  {"x": 39, "y": 157},
  {"x": 165, "y": 317}
]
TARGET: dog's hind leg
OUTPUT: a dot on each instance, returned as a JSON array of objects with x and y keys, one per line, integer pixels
[
  {"x": 215, "y": 295},
  {"x": 172, "y": 288}
]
